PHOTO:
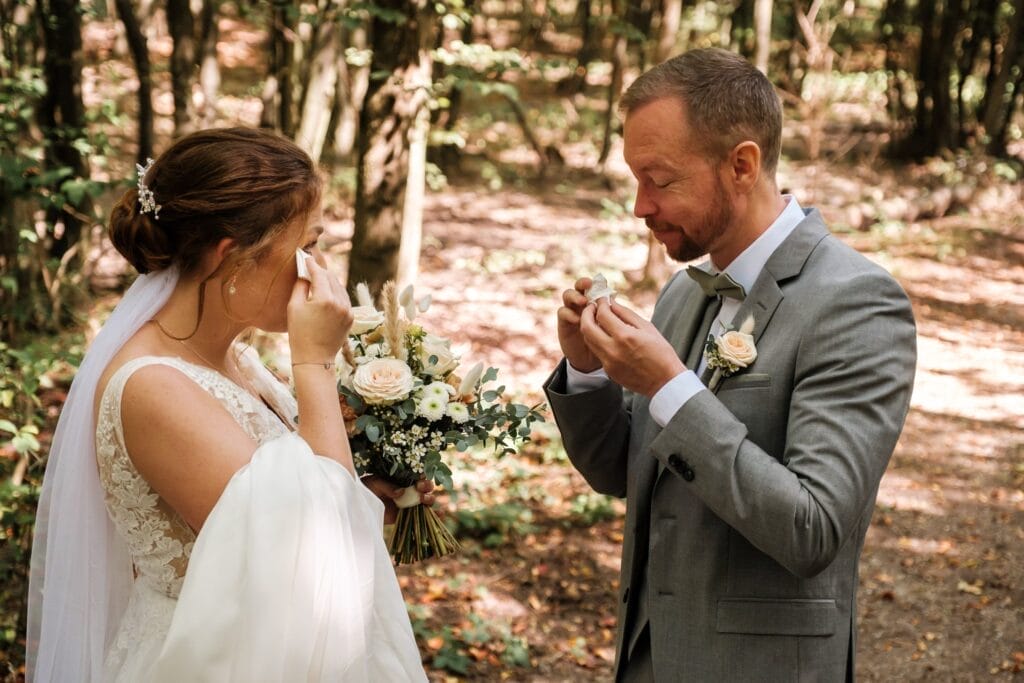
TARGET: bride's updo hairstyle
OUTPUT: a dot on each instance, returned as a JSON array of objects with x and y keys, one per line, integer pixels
[{"x": 243, "y": 183}]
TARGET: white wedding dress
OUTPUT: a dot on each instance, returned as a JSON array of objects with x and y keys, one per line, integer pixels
[{"x": 289, "y": 578}]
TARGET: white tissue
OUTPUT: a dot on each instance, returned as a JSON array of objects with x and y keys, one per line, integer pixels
[
  {"x": 599, "y": 289},
  {"x": 300, "y": 264}
]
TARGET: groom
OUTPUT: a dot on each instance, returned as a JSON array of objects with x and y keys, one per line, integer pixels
[{"x": 748, "y": 494}]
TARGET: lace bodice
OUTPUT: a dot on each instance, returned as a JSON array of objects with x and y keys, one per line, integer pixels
[{"x": 158, "y": 539}]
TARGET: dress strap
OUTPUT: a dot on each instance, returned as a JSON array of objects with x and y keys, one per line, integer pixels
[{"x": 110, "y": 403}]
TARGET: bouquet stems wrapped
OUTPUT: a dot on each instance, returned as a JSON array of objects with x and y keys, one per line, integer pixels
[
  {"x": 419, "y": 533},
  {"x": 405, "y": 405}
]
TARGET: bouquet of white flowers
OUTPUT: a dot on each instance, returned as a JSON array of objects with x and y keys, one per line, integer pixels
[{"x": 405, "y": 405}]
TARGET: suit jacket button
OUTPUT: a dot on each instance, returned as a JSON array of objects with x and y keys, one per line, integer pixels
[
  {"x": 687, "y": 473},
  {"x": 675, "y": 462}
]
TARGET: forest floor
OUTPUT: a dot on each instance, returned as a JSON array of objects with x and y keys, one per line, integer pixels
[
  {"x": 532, "y": 595},
  {"x": 942, "y": 574}
]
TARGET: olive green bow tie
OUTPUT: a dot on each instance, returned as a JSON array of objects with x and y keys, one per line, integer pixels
[{"x": 718, "y": 284}]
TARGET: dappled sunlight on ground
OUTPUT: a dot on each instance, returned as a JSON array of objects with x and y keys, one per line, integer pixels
[
  {"x": 942, "y": 577},
  {"x": 943, "y": 567}
]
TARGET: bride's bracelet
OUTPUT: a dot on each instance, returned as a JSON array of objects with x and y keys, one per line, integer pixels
[{"x": 326, "y": 365}]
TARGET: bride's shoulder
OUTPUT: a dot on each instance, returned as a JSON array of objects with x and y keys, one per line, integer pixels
[{"x": 139, "y": 352}]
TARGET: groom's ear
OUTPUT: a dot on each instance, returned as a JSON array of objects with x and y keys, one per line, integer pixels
[{"x": 744, "y": 166}]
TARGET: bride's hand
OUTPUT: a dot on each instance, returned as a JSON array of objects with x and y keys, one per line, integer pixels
[
  {"x": 389, "y": 493},
  {"x": 319, "y": 315}
]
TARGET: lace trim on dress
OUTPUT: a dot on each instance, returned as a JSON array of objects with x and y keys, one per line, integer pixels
[{"x": 159, "y": 540}]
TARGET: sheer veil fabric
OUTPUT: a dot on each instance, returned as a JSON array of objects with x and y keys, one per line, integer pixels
[
  {"x": 81, "y": 573},
  {"x": 289, "y": 578}
]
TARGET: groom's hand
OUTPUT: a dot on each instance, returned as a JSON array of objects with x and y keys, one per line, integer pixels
[
  {"x": 631, "y": 349},
  {"x": 574, "y": 345}
]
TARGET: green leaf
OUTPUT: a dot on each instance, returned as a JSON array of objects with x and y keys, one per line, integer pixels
[
  {"x": 373, "y": 432},
  {"x": 8, "y": 426},
  {"x": 25, "y": 443}
]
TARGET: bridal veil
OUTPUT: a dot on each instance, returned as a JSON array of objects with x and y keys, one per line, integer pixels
[{"x": 81, "y": 574}]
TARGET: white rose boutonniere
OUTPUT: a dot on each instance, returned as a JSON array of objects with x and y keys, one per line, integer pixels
[{"x": 730, "y": 353}]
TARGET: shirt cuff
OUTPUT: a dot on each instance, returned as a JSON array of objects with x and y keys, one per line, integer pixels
[
  {"x": 671, "y": 397},
  {"x": 577, "y": 381}
]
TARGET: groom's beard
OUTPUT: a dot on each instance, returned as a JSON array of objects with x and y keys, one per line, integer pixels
[{"x": 712, "y": 225}]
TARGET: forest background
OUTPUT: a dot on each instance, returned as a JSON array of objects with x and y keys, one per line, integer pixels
[{"x": 472, "y": 147}]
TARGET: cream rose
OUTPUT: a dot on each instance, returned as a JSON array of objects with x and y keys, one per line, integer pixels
[
  {"x": 737, "y": 348},
  {"x": 364, "y": 319},
  {"x": 437, "y": 348},
  {"x": 383, "y": 381}
]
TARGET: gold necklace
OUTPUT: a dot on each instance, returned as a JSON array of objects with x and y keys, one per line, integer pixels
[
  {"x": 212, "y": 366},
  {"x": 242, "y": 384}
]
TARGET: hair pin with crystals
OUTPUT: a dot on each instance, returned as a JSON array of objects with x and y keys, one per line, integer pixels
[{"x": 146, "y": 199}]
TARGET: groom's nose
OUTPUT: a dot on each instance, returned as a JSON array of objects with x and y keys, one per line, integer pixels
[{"x": 643, "y": 207}]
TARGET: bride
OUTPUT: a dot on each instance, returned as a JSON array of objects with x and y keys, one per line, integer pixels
[{"x": 196, "y": 522}]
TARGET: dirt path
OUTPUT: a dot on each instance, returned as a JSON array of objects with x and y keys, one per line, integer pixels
[{"x": 943, "y": 570}]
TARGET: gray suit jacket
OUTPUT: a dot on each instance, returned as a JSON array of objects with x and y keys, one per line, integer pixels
[{"x": 748, "y": 510}]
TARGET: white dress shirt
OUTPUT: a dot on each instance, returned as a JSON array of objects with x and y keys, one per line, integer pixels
[{"x": 745, "y": 269}]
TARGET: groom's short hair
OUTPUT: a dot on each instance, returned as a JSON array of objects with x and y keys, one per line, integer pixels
[{"x": 728, "y": 101}]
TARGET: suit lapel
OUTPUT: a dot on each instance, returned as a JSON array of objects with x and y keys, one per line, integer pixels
[
  {"x": 688, "y": 322},
  {"x": 786, "y": 262}
]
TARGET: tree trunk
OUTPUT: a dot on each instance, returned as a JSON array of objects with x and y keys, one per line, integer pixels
[
  {"x": 639, "y": 17},
  {"x": 997, "y": 143},
  {"x": 977, "y": 18},
  {"x": 944, "y": 118},
  {"x": 1001, "y": 99},
  {"x": 668, "y": 31},
  {"x": 762, "y": 33},
  {"x": 922, "y": 139},
  {"x": 590, "y": 48},
  {"x": 19, "y": 39},
  {"x": 742, "y": 28},
  {"x": 183, "y": 58},
  {"x": 657, "y": 267},
  {"x": 320, "y": 90},
  {"x": 618, "y": 58},
  {"x": 449, "y": 153},
  {"x": 278, "y": 90},
  {"x": 894, "y": 22},
  {"x": 61, "y": 112},
  {"x": 353, "y": 80},
  {"x": 140, "y": 55},
  {"x": 532, "y": 17},
  {"x": 412, "y": 209},
  {"x": 209, "y": 66},
  {"x": 391, "y": 108}
]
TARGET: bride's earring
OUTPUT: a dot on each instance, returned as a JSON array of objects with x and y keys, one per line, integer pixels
[{"x": 231, "y": 285}]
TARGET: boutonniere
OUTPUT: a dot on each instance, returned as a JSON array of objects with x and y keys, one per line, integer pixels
[{"x": 731, "y": 352}]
